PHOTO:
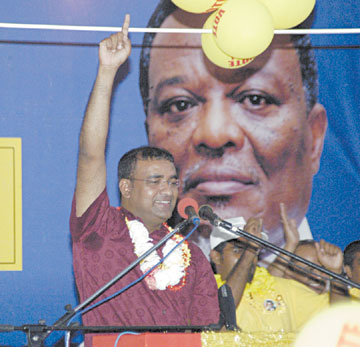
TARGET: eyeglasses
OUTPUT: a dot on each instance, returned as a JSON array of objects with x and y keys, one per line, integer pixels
[{"x": 157, "y": 182}]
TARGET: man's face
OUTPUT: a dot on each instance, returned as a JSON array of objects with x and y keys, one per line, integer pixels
[
  {"x": 354, "y": 271},
  {"x": 231, "y": 254},
  {"x": 310, "y": 277},
  {"x": 151, "y": 193},
  {"x": 241, "y": 139}
]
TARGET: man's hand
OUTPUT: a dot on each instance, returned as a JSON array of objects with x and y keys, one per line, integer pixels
[
  {"x": 91, "y": 174},
  {"x": 114, "y": 50},
  {"x": 253, "y": 226},
  {"x": 290, "y": 230},
  {"x": 279, "y": 265},
  {"x": 330, "y": 256}
]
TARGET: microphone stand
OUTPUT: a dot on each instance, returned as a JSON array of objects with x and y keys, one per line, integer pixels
[
  {"x": 239, "y": 232},
  {"x": 37, "y": 333}
]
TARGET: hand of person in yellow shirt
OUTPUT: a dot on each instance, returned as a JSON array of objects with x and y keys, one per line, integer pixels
[
  {"x": 291, "y": 232},
  {"x": 292, "y": 236},
  {"x": 330, "y": 256},
  {"x": 254, "y": 227}
]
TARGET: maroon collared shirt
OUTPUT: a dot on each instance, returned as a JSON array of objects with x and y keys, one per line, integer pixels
[{"x": 102, "y": 248}]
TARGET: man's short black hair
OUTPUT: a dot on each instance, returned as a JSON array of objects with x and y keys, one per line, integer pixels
[
  {"x": 127, "y": 162},
  {"x": 301, "y": 43},
  {"x": 350, "y": 252},
  {"x": 305, "y": 242}
]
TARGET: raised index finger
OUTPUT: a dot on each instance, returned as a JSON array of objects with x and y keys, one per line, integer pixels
[
  {"x": 283, "y": 214},
  {"x": 125, "y": 27}
]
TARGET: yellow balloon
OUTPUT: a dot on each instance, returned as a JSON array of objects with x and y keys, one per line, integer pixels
[
  {"x": 243, "y": 28},
  {"x": 215, "y": 54},
  {"x": 289, "y": 13},
  {"x": 199, "y": 6}
]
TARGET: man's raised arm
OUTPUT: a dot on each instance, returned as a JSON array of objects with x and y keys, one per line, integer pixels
[
  {"x": 91, "y": 172},
  {"x": 244, "y": 269}
]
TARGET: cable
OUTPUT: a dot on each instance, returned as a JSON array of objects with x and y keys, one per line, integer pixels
[
  {"x": 168, "y": 30},
  {"x": 124, "y": 333}
]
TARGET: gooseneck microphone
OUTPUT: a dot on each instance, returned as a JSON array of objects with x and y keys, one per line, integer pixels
[
  {"x": 187, "y": 208},
  {"x": 207, "y": 213}
]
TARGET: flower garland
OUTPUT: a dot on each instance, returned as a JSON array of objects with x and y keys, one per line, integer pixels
[{"x": 171, "y": 273}]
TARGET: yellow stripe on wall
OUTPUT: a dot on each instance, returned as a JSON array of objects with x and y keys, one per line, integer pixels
[{"x": 10, "y": 204}]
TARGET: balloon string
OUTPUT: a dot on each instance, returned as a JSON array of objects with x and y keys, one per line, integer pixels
[{"x": 168, "y": 30}]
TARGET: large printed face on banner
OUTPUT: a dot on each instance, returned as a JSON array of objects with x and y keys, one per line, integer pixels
[{"x": 242, "y": 139}]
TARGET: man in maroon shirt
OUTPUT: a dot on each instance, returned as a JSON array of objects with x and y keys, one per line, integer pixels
[{"x": 182, "y": 291}]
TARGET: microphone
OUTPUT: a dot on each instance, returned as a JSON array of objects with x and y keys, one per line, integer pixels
[
  {"x": 187, "y": 208},
  {"x": 206, "y": 212}
]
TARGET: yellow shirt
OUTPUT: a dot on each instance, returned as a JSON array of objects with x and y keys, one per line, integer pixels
[
  {"x": 271, "y": 304},
  {"x": 355, "y": 294}
]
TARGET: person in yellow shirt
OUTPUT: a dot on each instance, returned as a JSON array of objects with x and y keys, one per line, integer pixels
[
  {"x": 352, "y": 266},
  {"x": 310, "y": 250},
  {"x": 264, "y": 302}
]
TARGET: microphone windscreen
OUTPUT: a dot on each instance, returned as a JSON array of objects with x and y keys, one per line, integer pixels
[
  {"x": 184, "y": 203},
  {"x": 206, "y": 212}
]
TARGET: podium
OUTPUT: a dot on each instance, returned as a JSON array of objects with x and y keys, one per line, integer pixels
[
  {"x": 208, "y": 339},
  {"x": 148, "y": 340}
]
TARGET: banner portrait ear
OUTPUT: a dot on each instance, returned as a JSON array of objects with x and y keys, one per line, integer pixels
[{"x": 318, "y": 122}]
